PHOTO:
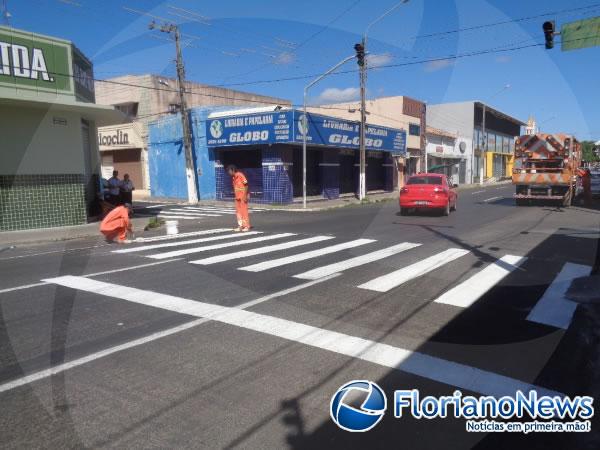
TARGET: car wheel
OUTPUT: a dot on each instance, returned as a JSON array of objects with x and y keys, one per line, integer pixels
[
  {"x": 403, "y": 211},
  {"x": 446, "y": 210}
]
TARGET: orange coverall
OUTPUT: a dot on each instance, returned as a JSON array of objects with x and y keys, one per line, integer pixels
[
  {"x": 240, "y": 188},
  {"x": 116, "y": 224}
]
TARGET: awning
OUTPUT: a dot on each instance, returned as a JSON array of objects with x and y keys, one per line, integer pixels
[
  {"x": 100, "y": 114},
  {"x": 445, "y": 156}
]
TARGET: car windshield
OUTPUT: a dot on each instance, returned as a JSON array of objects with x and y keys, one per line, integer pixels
[{"x": 424, "y": 180}]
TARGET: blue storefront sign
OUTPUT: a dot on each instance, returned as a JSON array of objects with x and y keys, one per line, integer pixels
[{"x": 289, "y": 127}]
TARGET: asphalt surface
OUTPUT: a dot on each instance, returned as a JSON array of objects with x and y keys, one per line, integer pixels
[{"x": 136, "y": 369}]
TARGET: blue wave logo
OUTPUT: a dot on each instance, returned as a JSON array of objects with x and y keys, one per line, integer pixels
[{"x": 364, "y": 417}]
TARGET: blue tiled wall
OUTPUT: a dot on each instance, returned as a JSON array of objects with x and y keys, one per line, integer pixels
[
  {"x": 276, "y": 175},
  {"x": 204, "y": 156}
]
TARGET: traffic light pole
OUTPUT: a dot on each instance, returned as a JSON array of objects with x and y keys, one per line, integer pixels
[
  {"x": 187, "y": 139},
  {"x": 362, "y": 181}
]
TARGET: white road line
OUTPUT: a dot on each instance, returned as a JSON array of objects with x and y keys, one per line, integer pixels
[
  {"x": 471, "y": 290},
  {"x": 356, "y": 261},
  {"x": 192, "y": 209},
  {"x": 188, "y": 251},
  {"x": 260, "y": 250},
  {"x": 431, "y": 367},
  {"x": 554, "y": 308},
  {"x": 141, "y": 341},
  {"x": 154, "y": 206},
  {"x": 492, "y": 199},
  {"x": 18, "y": 288},
  {"x": 306, "y": 255},
  {"x": 183, "y": 212},
  {"x": 477, "y": 192},
  {"x": 398, "y": 277},
  {"x": 64, "y": 250},
  {"x": 124, "y": 269},
  {"x": 101, "y": 354},
  {"x": 169, "y": 217},
  {"x": 182, "y": 235},
  {"x": 190, "y": 242}
]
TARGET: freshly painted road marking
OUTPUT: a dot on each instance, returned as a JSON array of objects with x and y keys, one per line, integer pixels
[
  {"x": 141, "y": 341},
  {"x": 469, "y": 291},
  {"x": 211, "y": 212},
  {"x": 220, "y": 237},
  {"x": 356, "y": 261},
  {"x": 554, "y": 308},
  {"x": 182, "y": 235},
  {"x": 193, "y": 209},
  {"x": 189, "y": 251},
  {"x": 169, "y": 217},
  {"x": 398, "y": 277},
  {"x": 420, "y": 364},
  {"x": 477, "y": 192},
  {"x": 124, "y": 269},
  {"x": 306, "y": 255},
  {"x": 260, "y": 250},
  {"x": 187, "y": 213},
  {"x": 492, "y": 199},
  {"x": 154, "y": 206}
]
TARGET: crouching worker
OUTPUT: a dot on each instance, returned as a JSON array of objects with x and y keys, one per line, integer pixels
[{"x": 116, "y": 224}]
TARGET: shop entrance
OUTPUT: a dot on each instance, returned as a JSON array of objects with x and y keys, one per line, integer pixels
[
  {"x": 314, "y": 157},
  {"x": 249, "y": 161},
  {"x": 348, "y": 171},
  {"x": 375, "y": 171}
]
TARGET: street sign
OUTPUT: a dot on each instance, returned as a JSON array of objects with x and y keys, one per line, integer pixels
[{"x": 580, "y": 34}]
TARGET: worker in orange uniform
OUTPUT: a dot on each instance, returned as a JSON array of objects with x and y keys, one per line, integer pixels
[
  {"x": 116, "y": 224},
  {"x": 240, "y": 189},
  {"x": 586, "y": 181}
]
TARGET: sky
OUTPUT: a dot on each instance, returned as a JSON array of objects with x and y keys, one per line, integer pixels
[{"x": 257, "y": 46}]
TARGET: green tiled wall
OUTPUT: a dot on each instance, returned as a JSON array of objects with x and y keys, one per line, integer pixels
[{"x": 41, "y": 201}]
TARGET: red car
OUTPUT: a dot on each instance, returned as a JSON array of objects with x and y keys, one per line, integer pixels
[{"x": 428, "y": 191}]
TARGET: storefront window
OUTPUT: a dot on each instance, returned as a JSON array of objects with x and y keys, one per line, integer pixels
[
  {"x": 491, "y": 145},
  {"x": 414, "y": 130},
  {"x": 506, "y": 144}
]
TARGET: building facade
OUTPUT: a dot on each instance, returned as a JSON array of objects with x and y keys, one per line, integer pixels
[
  {"x": 267, "y": 144},
  {"x": 488, "y": 151},
  {"x": 147, "y": 98},
  {"x": 446, "y": 153},
  {"x": 49, "y": 161},
  {"x": 399, "y": 112}
]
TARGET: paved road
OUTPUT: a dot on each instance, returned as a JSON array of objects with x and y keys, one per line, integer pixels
[{"x": 215, "y": 339}]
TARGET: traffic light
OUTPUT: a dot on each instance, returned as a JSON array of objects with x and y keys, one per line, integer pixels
[
  {"x": 360, "y": 54},
  {"x": 548, "y": 28}
]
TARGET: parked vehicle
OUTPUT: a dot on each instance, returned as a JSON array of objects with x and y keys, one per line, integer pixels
[{"x": 428, "y": 191}]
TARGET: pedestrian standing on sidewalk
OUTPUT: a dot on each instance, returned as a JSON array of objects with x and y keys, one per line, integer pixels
[
  {"x": 127, "y": 189},
  {"x": 114, "y": 189},
  {"x": 240, "y": 190},
  {"x": 117, "y": 224}
]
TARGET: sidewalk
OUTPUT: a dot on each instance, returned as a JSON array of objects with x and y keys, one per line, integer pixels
[{"x": 9, "y": 238}]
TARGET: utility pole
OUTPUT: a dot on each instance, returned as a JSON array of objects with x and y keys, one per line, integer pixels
[
  {"x": 187, "y": 140},
  {"x": 362, "y": 179}
]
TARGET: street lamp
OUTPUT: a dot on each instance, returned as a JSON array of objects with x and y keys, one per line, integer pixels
[
  {"x": 362, "y": 190},
  {"x": 305, "y": 125},
  {"x": 484, "y": 134}
]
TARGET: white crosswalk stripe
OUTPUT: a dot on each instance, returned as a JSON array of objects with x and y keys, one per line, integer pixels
[
  {"x": 304, "y": 256},
  {"x": 189, "y": 214},
  {"x": 206, "y": 210},
  {"x": 172, "y": 217},
  {"x": 387, "y": 282},
  {"x": 181, "y": 235},
  {"x": 554, "y": 308},
  {"x": 188, "y": 242},
  {"x": 356, "y": 261},
  {"x": 414, "y": 362},
  {"x": 260, "y": 250},
  {"x": 189, "y": 251},
  {"x": 469, "y": 291},
  {"x": 182, "y": 212}
]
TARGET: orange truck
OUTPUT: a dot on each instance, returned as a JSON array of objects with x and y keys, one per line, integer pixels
[{"x": 545, "y": 168}]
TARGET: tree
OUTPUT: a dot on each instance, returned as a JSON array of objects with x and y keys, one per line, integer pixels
[{"x": 588, "y": 152}]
